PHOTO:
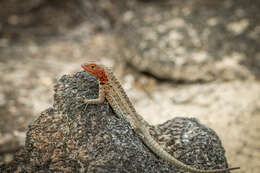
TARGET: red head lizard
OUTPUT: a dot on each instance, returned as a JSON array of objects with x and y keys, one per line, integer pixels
[{"x": 111, "y": 90}]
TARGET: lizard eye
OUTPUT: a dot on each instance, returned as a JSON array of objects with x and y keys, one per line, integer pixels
[{"x": 92, "y": 67}]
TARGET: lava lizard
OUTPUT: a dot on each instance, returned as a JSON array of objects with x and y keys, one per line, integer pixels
[{"x": 111, "y": 90}]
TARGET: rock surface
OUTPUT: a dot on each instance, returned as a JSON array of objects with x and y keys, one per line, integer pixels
[
  {"x": 40, "y": 44},
  {"x": 73, "y": 137},
  {"x": 192, "y": 40}
]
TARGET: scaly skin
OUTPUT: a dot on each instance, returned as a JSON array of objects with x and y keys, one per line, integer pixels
[{"x": 111, "y": 89}]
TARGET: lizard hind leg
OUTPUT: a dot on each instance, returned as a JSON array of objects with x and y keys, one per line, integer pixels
[{"x": 138, "y": 131}]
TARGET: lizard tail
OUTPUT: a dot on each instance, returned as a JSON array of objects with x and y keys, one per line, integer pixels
[{"x": 156, "y": 148}]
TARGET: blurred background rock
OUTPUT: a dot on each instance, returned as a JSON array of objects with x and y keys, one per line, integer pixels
[{"x": 174, "y": 58}]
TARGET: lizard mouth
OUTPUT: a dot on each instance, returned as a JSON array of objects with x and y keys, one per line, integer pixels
[{"x": 84, "y": 66}]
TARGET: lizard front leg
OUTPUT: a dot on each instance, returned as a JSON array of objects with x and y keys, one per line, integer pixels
[{"x": 100, "y": 99}]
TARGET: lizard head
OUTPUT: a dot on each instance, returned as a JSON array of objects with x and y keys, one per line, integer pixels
[{"x": 96, "y": 70}]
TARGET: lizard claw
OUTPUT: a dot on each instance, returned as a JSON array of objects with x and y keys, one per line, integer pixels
[
  {"x": 85, "y": 102},
  {"x": 80, "y": 99}
]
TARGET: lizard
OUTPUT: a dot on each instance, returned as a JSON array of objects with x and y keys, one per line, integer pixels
[{"x": 111, "y": 90}]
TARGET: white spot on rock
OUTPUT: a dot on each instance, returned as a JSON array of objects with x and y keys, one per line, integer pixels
[{"x": 238, "y": 27}]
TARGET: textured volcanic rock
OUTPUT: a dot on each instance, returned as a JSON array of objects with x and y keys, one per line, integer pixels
[{"x": 74, "y": 137}]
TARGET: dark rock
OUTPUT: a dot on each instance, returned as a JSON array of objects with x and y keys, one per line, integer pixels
[
  {"x": 10, "y": 7},
  {"x": 74, "y": 137}
]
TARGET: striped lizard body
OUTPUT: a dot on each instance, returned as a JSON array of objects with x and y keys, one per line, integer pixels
[{"x": 111, "y": 90}]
